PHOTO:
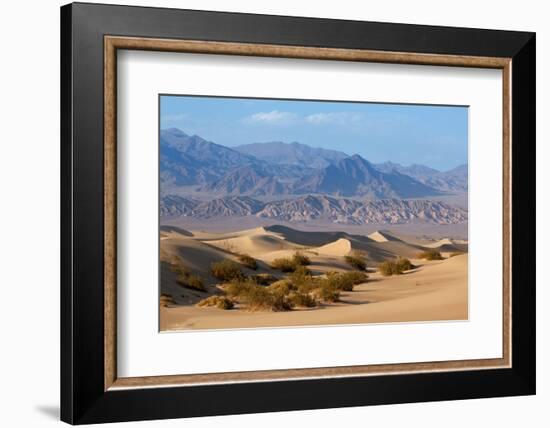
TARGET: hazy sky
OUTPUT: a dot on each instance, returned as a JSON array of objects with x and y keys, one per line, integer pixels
[{"x": 435, "y": 136}]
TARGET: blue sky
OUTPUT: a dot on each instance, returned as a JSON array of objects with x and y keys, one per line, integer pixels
[{"x": 435, "y": 136}]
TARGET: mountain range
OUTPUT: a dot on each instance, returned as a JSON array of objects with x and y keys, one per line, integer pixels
[
  {"x": 281, "y": 169},
  {"x": 317, "y": 208},
  {"x": 454, "y": 180},
  {"x": 292, "y": 154}
]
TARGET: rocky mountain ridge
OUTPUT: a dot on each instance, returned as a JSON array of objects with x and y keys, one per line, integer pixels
[
  {"x": 317, "y": 207},
  {"x": 280, "y": 169}
]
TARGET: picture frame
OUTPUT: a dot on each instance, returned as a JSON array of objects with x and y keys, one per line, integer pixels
[{"x": 91, "y": 390}]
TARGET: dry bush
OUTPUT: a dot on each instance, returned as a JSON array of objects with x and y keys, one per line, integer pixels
[
  {"x": 327, "y": 292},
  {"x": 302, "y": 300},
  {"x": 193, "y": 282},
  {"x": 184, "y": 276},
  {"x": 260, "y": 298},
  {"x": 356, "y": 261},
  {"x": 284, "y": 265},
  {"x": 284, "y": 286},
  {"x": 177, "y": 266},
  {"x": 338, "y": 282},
  {"x": 404, "y": 264},
  {"x": 248, "y": 261},
  {"x": 220, "y": 302},
  {"x": 303, "y": 281},
  {"x": 291, "y": 264},
  {"x": 301, "y": 273},
  {"x": 346, "y": 280},
  {"x": 239, "y": 287},
  {"x": 356, "y": 278},
  {"x": 300, "y": 259},
  {"x": 430, "y": 255},
  {"x": 263, "y": 278},
  {"x": 226, "y": 270},
  {"x": 396, "y": 267},
  {"x": 257, "y": 297},
  {"x": 389, "y": 268}
]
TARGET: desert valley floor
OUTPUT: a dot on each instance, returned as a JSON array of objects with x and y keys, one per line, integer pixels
[{"x": 433, "y": 290}]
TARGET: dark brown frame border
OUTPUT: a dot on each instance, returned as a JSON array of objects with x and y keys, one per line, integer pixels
[
  {"x": 113, "y": 43},
  {"x": 84, "y": 397}
]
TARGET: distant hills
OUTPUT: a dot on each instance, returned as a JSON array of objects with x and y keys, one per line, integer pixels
[{"x": 319, "y": 208}]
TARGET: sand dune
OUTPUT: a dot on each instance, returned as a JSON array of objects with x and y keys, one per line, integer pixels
[
  {"x": 195, "y": 255},
  {"x": 382, "y": 236},
  {"x": 279, "y": 241},
  {"x": 175, "y": 229},
  {"x": 256, "y": 242},
  {"x": 215, "y": 236},
  {"x": 378, "y": 246},
  {"x": 308, "y": 239},
  {"x": 341, "y": 247},
  {"x": 400, "y": 248},
  {"x": 449, "y": 246},
  {"x": 436, "y": 290}
]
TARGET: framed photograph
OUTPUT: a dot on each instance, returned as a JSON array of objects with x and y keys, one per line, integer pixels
[{"x": 266, "y": 213}]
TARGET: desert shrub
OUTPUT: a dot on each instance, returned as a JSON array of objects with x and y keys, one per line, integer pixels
[
  {"x": 301, "y": 259},
  {"x": 257, "y": 297},
  {"x": 220, "y": 302},
  {"x": 327, "y": 292},
  {"x": 263, "y": 278},
  {"x": 300, "y": 274},
  {"x": 300, "y": 281},
  {"x": 184, "y": 276},
  {"x": 291, "y": 264},
  {"x": 279, "y": 303},
  {"x": 176, "y": 266},
  {"x": 224, "y": 303},
  {"x": 303, "y": 281},
  {"x": 284, "y": 286},
  {"x": 344, "y": 281},
  {"x": 337, "y": 281},
  {"x": 180, "y": 269},
  {"x": 249, "y": 262},
  {"x": 356, "y": 261},
  {"x": 430, "y": 255},
  {"x": 194, "y": 282},
  {"x": 284, "y": 265},
  {"x": 260, "y": 298},
  {"x": 309, "y": 285},
  {"x": 389, "y": 268},
  {"x": 302, "y": 300},
  {"x": 356, "y": 278},
  {"x": 395, "y": 267},
  {"x": 239, "y": 287},
  {"x": 226, "y": 270},
  {"x": 404, "y": 264}
]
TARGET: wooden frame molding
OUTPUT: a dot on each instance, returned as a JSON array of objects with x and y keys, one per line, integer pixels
[{"x": 113, "y": 43}]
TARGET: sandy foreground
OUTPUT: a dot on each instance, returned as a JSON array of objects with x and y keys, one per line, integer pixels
[{"x": 434, "y": 291}]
